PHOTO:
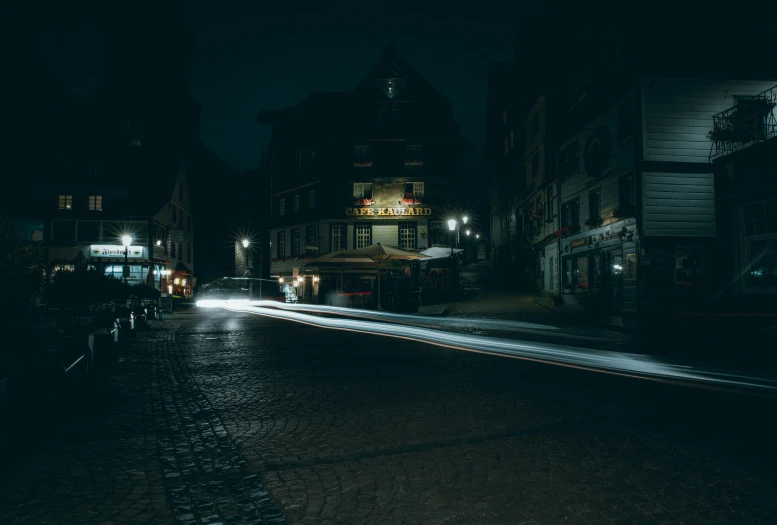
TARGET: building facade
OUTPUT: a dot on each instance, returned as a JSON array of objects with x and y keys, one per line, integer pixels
[
  {"x": 89, "y": 220},
  {"x": 378, "y": 164}
]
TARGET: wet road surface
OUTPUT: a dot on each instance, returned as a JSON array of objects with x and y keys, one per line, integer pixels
[{"x": 224, "y": 417}]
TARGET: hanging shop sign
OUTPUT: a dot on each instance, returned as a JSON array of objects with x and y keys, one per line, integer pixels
[
  {"x": 387, "y": 212},
  {"x": 112, "y": 250}
]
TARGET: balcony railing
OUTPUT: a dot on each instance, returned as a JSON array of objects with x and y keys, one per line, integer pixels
[{"x": 751, "y": 121}]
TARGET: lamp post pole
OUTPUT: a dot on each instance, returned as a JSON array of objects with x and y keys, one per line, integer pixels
[{"x": 126, "y": 240}]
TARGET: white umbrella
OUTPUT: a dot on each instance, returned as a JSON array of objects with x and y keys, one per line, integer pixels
[
  {"x": 439, "y": 253},
  {"x": 379, "y": 254}
]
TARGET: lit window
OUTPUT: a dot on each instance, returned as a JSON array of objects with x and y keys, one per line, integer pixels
[
  {"x": 296, "y": 203},
  {"x": 312, "y": 199},
  {"x": 65, "y": 202},
  {"x": 135, "y": 141},
  {"x": 363, "y": 235},
  {"x": 282, "y": 210},
  {"x": 95, "y": 203},
  {"x": 362, "y": 190}
]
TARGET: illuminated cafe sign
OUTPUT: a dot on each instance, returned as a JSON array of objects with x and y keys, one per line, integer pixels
[
  {"x": 387, "y": 212},
  {"x": 113, "y": 250}
]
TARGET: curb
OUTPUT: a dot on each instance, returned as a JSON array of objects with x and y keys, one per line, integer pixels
[{"x": 604, "y": 326}]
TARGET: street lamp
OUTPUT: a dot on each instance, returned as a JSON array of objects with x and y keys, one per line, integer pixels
[
  {"x": 468, "y": 232},
  {"x": 126, "y": 241},
  {"x": 452, "y": 228},
  {"x": 246, "y": 242},
  {"x": 464, "y": 219}
]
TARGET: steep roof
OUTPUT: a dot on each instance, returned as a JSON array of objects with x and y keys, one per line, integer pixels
[{"x": 394, "y": 78}]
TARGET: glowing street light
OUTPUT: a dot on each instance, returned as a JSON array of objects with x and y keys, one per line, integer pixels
[
  {"x": 126, "y": 241},
  {"x": 280, "y": 280},
  {"x": 464, "y": 219},
  {"x": 477, "y": 236},
  {"x": 246, "y": 242},
  {"x": 451, "y": 224},
  {"x": 468, "y": 232}
]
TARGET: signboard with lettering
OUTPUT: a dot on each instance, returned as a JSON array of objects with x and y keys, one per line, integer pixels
[
  {"x": 387, "y": 212},
  {"x": 113, "y": 250},
  {"x": 578, "y": 242}
]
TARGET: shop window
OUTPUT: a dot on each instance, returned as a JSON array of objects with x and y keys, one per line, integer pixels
[
  {"x": 296, "y": 203},
  {"x": 760, "y": 243},
  {"x": 295, "y": 242},
  {"x": 407, "y": 235},
  {"x": 282, "y": 207},
  {"x": 576, "y": 275},
  {"x": 363, "y": 234},
  {"x": 65, "y": 202},
  {"x": 95, "y": 203},
  {"x": 338, "y": 237},
  {"x": 362, "y": 190},
  {"x": 762, "y": 265},
  {"x": 581, "y": 273},
  {"x": 689, "y": 269}
]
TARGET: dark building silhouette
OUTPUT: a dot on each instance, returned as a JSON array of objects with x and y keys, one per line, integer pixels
[{"x": 380, "y": 163}]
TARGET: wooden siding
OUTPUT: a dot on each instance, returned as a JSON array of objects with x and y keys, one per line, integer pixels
[
  {"x": 678, "y": 204},
  {"x": 621, "y": 161},
  {"x": 678, "y": 115}
]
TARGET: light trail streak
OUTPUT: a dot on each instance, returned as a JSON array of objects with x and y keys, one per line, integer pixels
[
  {"x": 618, "y": 363},
  {"x": 428, "y": 322}
]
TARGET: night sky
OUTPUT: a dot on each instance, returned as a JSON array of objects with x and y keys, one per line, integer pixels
[
  {"x": 244, "y": 63},
  {"x": 274, "y": 62}
]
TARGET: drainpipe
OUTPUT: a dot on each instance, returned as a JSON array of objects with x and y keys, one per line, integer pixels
[{"x": 560, "y": 253}]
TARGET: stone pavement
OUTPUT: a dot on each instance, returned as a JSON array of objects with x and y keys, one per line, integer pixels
[{"x": 222, "y": 417}]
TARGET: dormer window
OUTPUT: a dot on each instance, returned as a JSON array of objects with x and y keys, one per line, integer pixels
[
  {"x": 65, "y": 202},
  {"x": 95, "y": 203}
]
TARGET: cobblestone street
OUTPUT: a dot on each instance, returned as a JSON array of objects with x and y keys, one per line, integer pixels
[{"x": 223, "y": 417}]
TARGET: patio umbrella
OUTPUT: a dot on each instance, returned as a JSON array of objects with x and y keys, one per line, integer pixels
[
  {"x": 378, "y": 254},
  {"x": 338, "y": 260}
]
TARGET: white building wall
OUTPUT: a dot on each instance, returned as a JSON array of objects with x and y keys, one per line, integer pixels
[{"x": 677, "y": 114}]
